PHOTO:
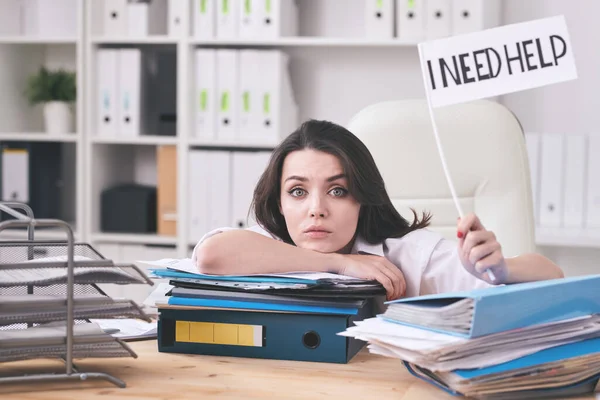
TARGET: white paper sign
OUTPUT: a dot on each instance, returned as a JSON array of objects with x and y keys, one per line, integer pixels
[{"x": 496, "y": 61}]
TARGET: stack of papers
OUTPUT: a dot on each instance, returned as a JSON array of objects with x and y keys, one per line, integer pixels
[{"x": 516, "y": 340}]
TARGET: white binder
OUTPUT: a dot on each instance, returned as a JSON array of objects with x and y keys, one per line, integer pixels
[
  {"x": 107, "y": 72},
  {"x": 278, "y": 18},
  {"x": 438, "y": 20},
  {"x": 175, "y": 16},
  {"x": 146, "y": 18},
  {"x": 15, "y": 175},
  {"x": 205, "y": 99},
  {"x": 205, "y": 18},
  {"x": 228, "y": 94},
  {"x": 250, "y": 95},
  {"x": 114, "y": 17},
  {"x": 129, "y": 92},
  {"x": 10, "y": 18},
  {"x": 249, "y": 19},
  {"x": 532, "y": 142},
  {"x": 219, "y": 193},
  {"x": 474, "y": 15},
  {"x": 410, "y": 19},
  {"x": 574, "y": 190},
  {"x": 551, "y": 181},
  {"x": 198, "y": 193},
  {"x": 379, "y": 19},
  {"x": 278, "y": 108},
  {"x": 593, "y": 182},
  {"x": 56, "y": 18},
  {"x": 247, "y": 168},
  {"x": 227, "y": 18}
]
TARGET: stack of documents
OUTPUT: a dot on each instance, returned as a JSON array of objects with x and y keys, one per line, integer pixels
[
  {"x": 518, "y": 340},
  {"x": 288, "y": 291}
]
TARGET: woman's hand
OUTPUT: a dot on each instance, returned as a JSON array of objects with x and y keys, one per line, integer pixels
[
  {"x": 371, "y": 267},
  {"x": 479, "y": 250}
]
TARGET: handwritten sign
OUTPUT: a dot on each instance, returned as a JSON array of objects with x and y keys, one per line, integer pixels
[{"x": 497, "y": 61}]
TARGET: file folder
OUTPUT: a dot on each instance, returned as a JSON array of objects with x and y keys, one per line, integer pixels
[
  {"x": 411, "y": 19},
  {"x": 205, "y": 101},
  {"x": 551, "y": 180},
  {"x": 114, "y": 17},
  {"x": 438, "y": 21},
  {"x": 176, "y": 14},
  {"x": 219, "y": 193},
  {"x": 198, "y": 211},
  {"x": 474, "y": 15},
  {"x": 107, "y": 72},
  {"x": 15, "y": 174},
  {"x": 574, "y": 190},
  {"x": 205, "y": 18},
  {"x": 227, "y": 91},
  {"x": 285, "y": 335},
  {"x": 532, "y": 142},
  {"x": 249, "y": 95},
  {"x": 130, "y": 94},
  {"x": 247, "y": 168},
  {"x": 475, "y": 313},
  {"x": 277, "y": 18},
  {"x": 249, "y": 19},
  {"x": 379, "y": 19},
  {"x": 227, "y": 19},
  {"x": 146, "y": 18}
]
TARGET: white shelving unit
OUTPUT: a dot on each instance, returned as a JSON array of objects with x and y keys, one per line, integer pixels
[{"x": 22, "y": 56}]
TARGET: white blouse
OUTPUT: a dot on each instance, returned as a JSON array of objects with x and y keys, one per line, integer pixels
[{"x": 429, "y": 262}]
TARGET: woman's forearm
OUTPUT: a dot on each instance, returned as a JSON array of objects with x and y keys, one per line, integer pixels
[
  {"x": 531, "y": 267},
  {"x": 246, "y": 252}
]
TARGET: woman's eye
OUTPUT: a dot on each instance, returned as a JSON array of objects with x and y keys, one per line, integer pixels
[
  {"x": 338, "y": 192},
  {"x": 297, "y": 192}
]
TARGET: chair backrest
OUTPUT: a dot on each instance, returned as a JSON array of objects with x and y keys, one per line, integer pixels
[{"x": 485, "y": 151}]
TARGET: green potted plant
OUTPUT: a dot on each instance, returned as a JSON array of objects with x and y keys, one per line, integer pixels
[{"x": 56, "y": 90}]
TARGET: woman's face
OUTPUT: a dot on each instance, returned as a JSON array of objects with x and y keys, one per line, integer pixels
[{"x": 319, "y": 211}]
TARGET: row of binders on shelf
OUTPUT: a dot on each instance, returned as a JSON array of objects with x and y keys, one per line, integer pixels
[
  {"x": 222, "y": 188},
  {"x": 565, "y": 179},
  {"x": 429, "y": 19},
  {"x": 39, "y": 18},
  {"x": 223, "y": 19},
  {"x": 277, "y": 316},
  {"x": 243, "y": 96},
  {"x": 135, "y": 92},
  {"x": 546, "y": 342},
  {"x": 44, "y": 315}
]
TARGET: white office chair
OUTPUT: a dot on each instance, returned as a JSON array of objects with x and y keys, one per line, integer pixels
[{"x": 485, "y": 152}]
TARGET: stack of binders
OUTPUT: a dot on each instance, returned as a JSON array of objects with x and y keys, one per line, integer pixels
[
  {"x": 243, "y": 96},
  {"x": 284, "y": 317},
  {"x": 530, "y": 340}
]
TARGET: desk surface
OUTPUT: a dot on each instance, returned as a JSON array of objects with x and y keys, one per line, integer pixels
[{"x": 155, "y": 375}]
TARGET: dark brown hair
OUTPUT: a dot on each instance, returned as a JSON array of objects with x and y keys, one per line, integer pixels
[{"x": 378, "y": 218}]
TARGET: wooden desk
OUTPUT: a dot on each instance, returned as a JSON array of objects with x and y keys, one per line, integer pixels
[{"x": 155, "y": 375}]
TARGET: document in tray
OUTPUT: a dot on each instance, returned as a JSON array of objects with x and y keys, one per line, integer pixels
[
  {"x": 128, "y": 328},
  {"x": 187, "y": 265},
  {"x": 53, "y": 275}
]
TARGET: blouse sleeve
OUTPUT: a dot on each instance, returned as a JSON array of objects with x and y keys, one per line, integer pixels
[
  {"x": 254, "y": 228},
  {"x": 444, "y": 272}
]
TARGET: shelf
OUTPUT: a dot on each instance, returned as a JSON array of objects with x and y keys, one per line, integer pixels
[
  {"x": 133, "y": 238},
  {"x": 568, "y": 237},
  {"x": 232, "y": 144},
  {"x": 38, "y": 137},
  {"x": 145, "y": 140},
  {"x": 158, "y": 39},
  {"x": 308, "y": 42},
  {"x": 37, "y": 40}
]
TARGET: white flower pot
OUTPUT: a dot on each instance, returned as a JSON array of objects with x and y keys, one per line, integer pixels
[{"x": 58, "y": 118}]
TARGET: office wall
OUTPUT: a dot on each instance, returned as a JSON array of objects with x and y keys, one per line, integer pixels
[{"x": 570, "y": 107}]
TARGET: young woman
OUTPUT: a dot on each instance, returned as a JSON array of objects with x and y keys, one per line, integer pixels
[{"x": 321, "y": 205}]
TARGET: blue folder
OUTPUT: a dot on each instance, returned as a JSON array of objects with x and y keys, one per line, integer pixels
[{"x": 503, "y": 308}]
